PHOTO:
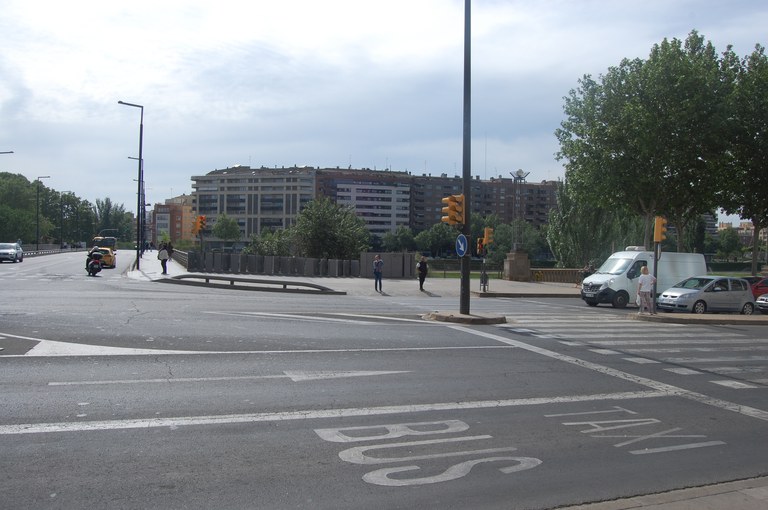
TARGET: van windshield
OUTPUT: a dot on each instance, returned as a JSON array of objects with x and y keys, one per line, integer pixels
[{"x": 614, "y": 266}]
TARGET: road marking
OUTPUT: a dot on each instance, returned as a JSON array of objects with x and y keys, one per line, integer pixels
[
  {"x": 683, "y": 371},
  {"x": 676, "y": 447},
  {"x": 641, "y": 361},
  {"x": 606, "y": 352},
  {"x": 295, "y": 376},
  {"x": 294, "y": 317},
  {"x": 643, "y": 381},
  {"x": 312, "y": 414},
  {"x": 736, "y": 385}
]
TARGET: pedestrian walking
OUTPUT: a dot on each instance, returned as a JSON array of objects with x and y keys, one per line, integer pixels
[
  {"x": 644, "y": 289},
  {"x": 378, "y": 267},
  {"x": 423, "y": 269},
  {"x": 163, "y": 257}
]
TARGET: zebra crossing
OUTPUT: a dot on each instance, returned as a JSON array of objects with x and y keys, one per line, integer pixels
[{"x": 735, "y": 359}]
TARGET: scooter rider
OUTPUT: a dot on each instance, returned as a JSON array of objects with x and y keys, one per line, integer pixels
[{"x": 93, "y": 250}]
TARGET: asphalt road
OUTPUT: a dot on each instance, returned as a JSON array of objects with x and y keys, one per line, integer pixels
[{"x": 121, "y": 393}]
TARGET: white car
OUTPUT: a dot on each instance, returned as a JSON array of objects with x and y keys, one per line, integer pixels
[
  {"x": 11, "y": 252},
  {"x": 762, "y": 303},
  {"x": 701, "y": 294}
]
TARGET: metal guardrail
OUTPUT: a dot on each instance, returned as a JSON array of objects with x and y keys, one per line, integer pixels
[{"x": 233, "y": 282}]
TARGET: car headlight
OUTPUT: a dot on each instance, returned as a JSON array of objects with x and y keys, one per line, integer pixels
[{"x": 684, "y": 298}]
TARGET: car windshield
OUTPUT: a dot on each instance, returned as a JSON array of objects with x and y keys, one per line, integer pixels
[
  {"x": 694, "y": 283},
  {"x": 7, "y": 246},
  {"x": 614, "y": 266}
]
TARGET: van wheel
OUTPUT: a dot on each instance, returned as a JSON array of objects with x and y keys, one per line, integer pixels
[
  {"x": 699, "y": 307},
  {"x": 748, "y": 309},
  {"x": 620, "y": 300}
]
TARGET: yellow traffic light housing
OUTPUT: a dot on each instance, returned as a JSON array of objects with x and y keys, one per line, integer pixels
[
  {"x": 453, "y": 212},
  {"x": 659, "y": 229},
  {"x": 487, "y": 236}
]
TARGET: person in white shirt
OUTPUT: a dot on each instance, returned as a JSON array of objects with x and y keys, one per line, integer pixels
[{"x": 644, "y": 290}]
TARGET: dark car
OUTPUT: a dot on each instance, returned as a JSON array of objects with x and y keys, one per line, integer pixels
[
  {"x": 11, "y": 252},
  {"x": 760, "y": 287}
]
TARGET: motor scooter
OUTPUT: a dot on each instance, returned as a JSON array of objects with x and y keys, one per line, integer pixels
[{"x": 93, "y": 263}]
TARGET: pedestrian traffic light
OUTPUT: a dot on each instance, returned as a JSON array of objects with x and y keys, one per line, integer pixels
[
  {"x": 659, "y": 229},
  {"x": 480, "y": 247},
  {"x": 202, "y": 222},
  {"x": 487, "y": 236},
  {"x": 453, "y": 213}
]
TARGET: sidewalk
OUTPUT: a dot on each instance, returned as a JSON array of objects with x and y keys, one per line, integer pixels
[{"x": 749, "y": 494}]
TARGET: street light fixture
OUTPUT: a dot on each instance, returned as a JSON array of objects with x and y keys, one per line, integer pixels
[
  {"x": 6, "y": 152},
  {"x": 37, "y": 228},
  {"x": 141, "y": 179}
]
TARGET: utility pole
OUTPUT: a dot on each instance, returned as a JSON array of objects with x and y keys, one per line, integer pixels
[{"x": 466, "y": 159}]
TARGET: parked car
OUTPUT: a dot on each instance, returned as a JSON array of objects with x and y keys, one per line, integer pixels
[
  {"x": 12, "y": 252},
  {"x": 762, "y": 303},
  {"x": 760, "y": 287},
  {"x": 701, "y": 294},
  {"x": 108, "y": 257}
]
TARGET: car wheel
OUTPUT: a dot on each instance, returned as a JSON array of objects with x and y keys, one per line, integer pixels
[
  {"x": 699, "y": 307},
  {"x": 620, "y": 300},
  {"x": 747, "y": 309}
]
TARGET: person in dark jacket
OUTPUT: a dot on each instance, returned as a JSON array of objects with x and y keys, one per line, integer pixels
[{"x": 423, "y": 269}]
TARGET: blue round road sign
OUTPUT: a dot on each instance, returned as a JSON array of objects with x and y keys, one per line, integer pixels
[{"x": 461, "y": 245}]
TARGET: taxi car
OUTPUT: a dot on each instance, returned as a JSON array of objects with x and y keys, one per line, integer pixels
[
  {"x": 108, "y": 257},
  {"x": 701, "y": 294}
]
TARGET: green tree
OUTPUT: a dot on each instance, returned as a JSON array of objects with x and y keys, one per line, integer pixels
[
  {"x": 400, "y": 240},
  {"x": 226, "y": 228},
  {"x": 439, "y": 240},
  {"x": 730, "y": 244},
  {"x": 269, "y": 242},
  {"x": 648, "y": 138},
  {"x": 747, "y": 176},
  {"x": 326, "y": 230},
  {"x": 112, "y": 217}
]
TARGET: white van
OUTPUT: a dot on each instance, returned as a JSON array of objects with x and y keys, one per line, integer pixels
[{"x": 615, "y": 282}]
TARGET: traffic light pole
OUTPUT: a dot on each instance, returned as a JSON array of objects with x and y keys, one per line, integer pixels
[{"x": 466, "y": 167}]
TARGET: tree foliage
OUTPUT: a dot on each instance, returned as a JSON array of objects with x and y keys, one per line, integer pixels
[
  {"x": 226, "y": 228},
  {"x": 648, "y": 137},
  {"x": 326, "y": 230}
]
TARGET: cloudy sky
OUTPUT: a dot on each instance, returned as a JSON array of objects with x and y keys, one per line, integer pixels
[{"x": 328, "y": 83}]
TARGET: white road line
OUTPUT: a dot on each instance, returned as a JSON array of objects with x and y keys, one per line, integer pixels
[
  {"x": 51, "y": 348},
  {"x": 676, "y": 447},
  {"x": 146, "y": 423},
  {"x": 641, "y": 361},
  {"x": 294, "y": 375},
  {"x": 643, "y": 381},
  {"x": 736, "y": 385},
  {"x": 675, "y": 340},
  {"x": 683, "y": 371}
]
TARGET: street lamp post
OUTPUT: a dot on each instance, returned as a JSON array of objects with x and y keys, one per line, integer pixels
[
  {"x": 141, "y": 179},
  {"x": 37, "y": 228}
]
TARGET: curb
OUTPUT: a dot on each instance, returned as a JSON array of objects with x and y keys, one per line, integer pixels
[{"x": 464, "y": 318}]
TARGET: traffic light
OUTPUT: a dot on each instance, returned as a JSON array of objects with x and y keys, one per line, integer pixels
[
  {"x": 199, "y": 225},
  {"x": 487, "y": 235},
  {"x": 659, "y": 229},
  {"x": 454, "y": 210},
  {"x": 480, "y": 247}
]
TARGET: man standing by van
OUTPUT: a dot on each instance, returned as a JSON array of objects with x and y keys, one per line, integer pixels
[{"x": 644, "y": 290}]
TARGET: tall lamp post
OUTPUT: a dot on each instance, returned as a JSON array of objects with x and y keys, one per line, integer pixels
[
  {"x": 37, "y": 228},
  {"x": 141, "y": 179}
]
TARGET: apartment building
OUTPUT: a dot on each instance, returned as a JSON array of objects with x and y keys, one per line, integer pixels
[{"x": 271, "y": 198}]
